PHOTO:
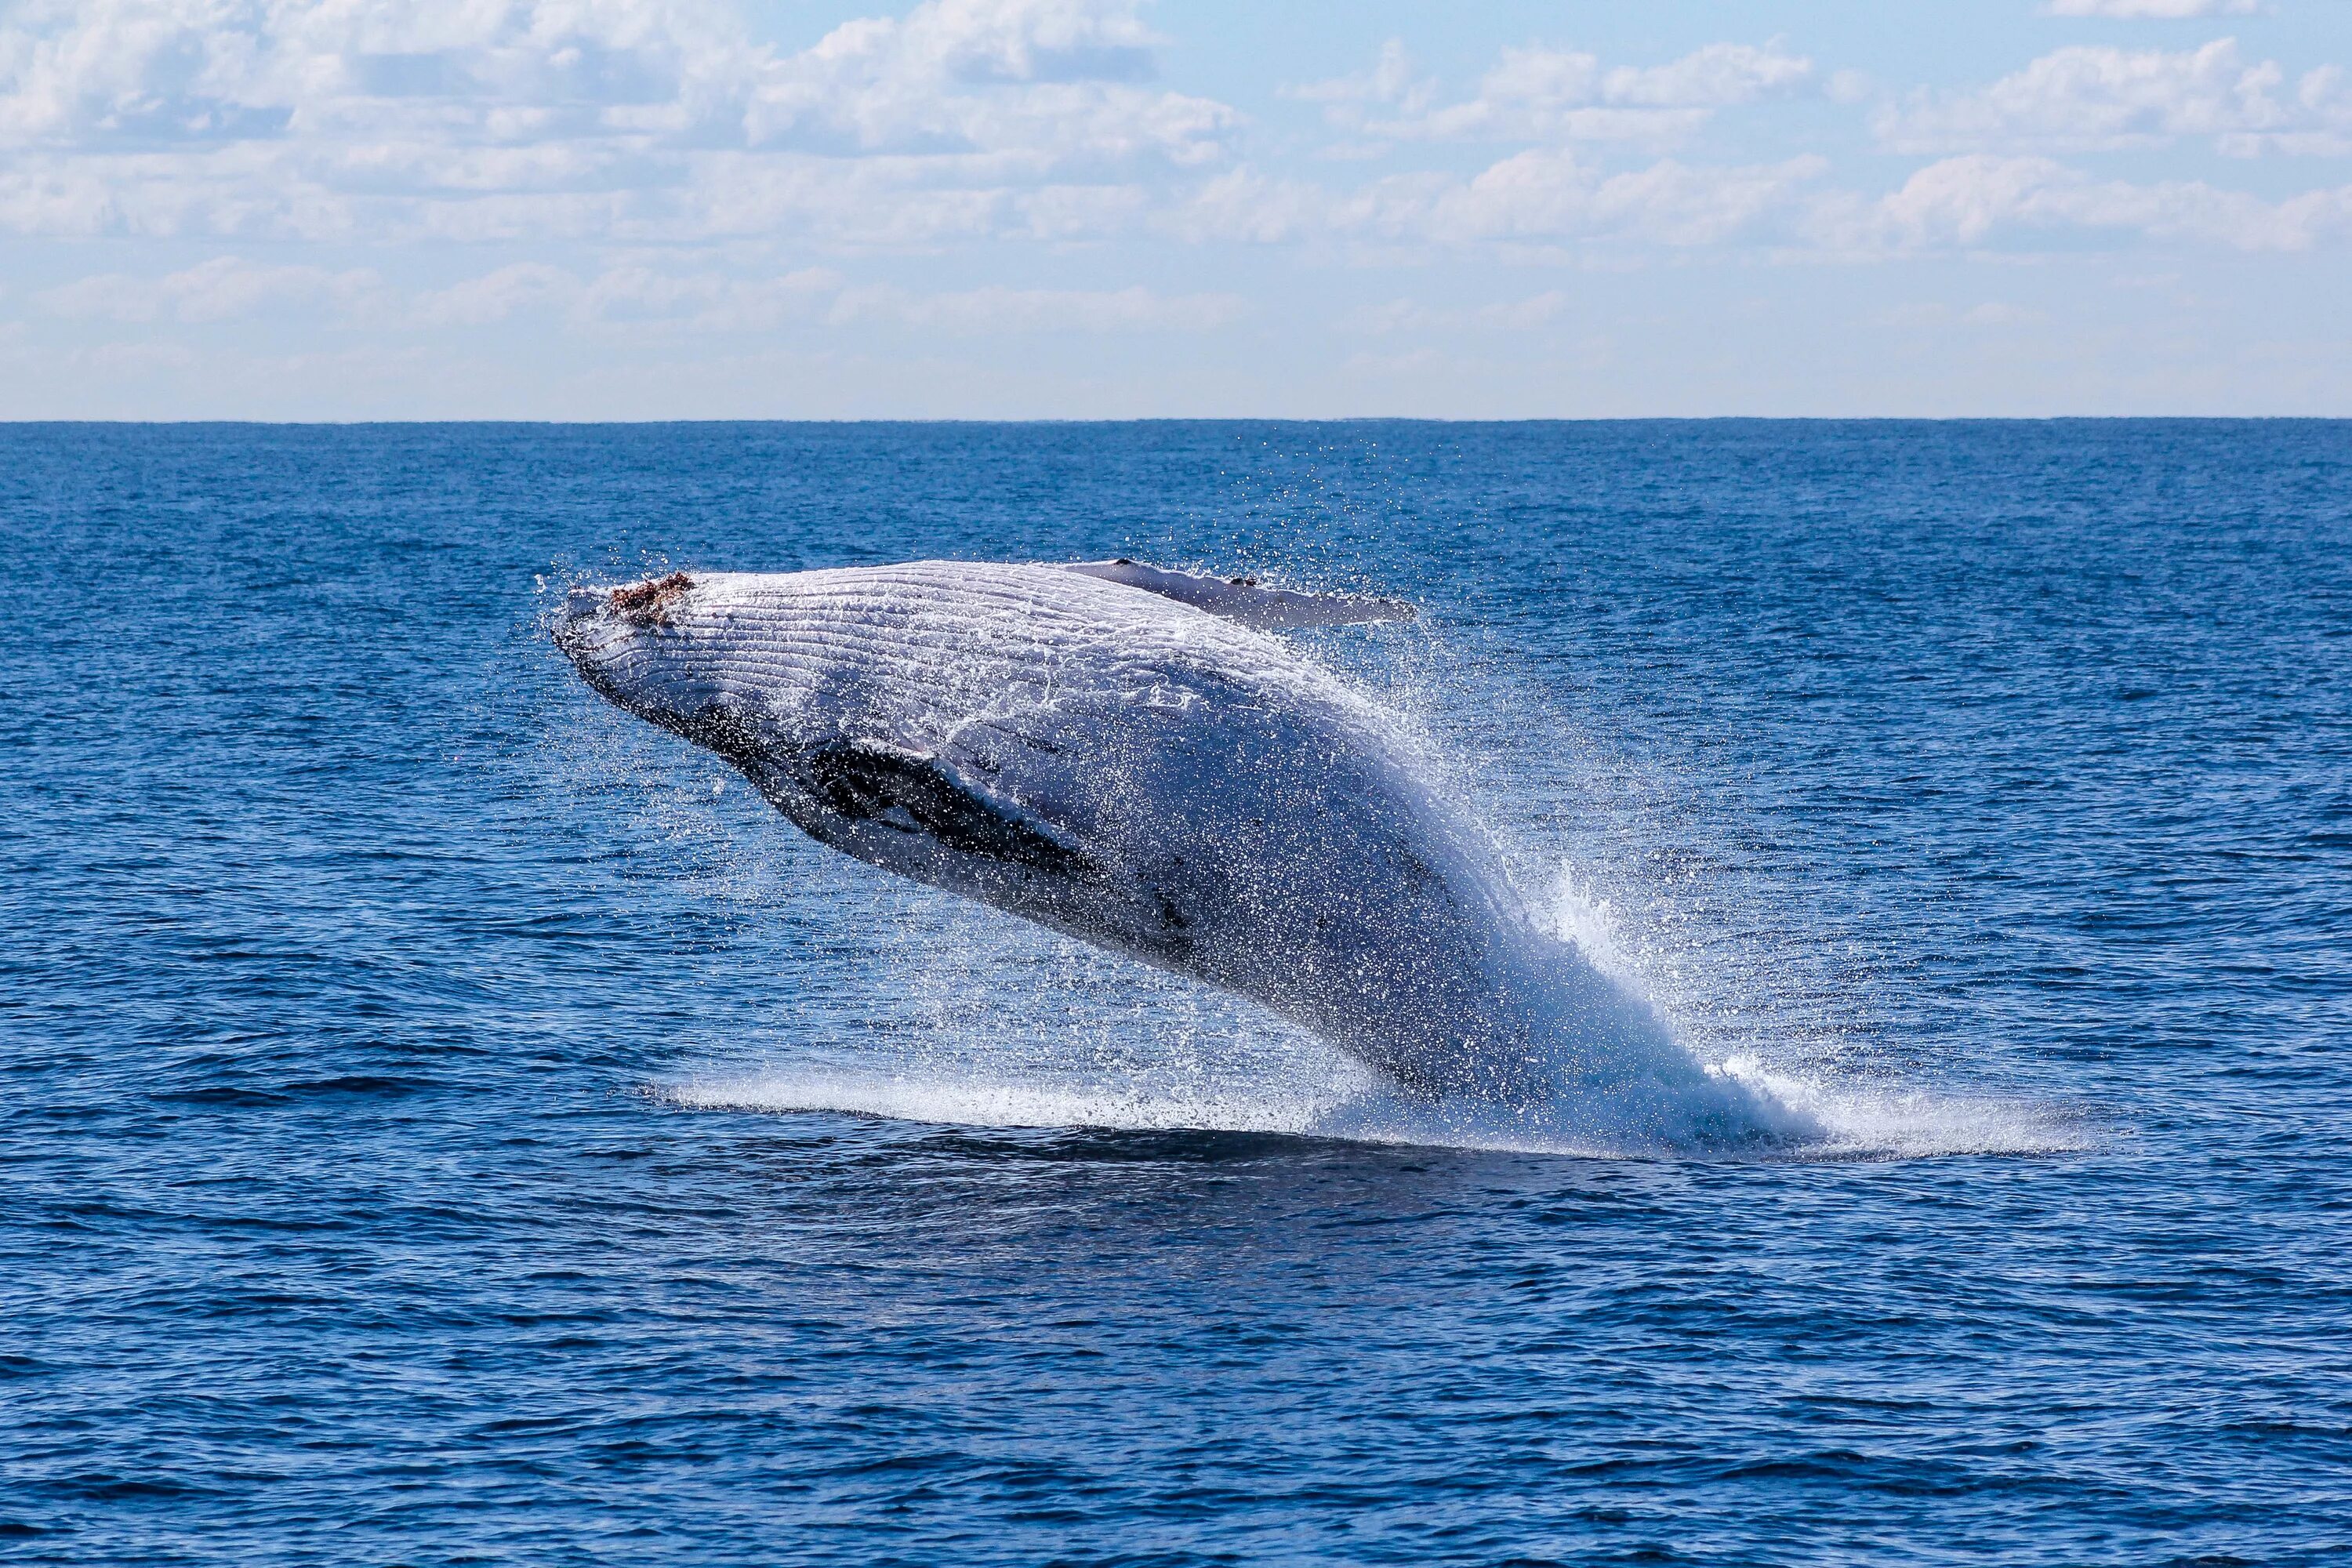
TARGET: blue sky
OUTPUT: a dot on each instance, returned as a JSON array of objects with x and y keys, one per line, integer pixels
[{"x": 1078, "y": 208}]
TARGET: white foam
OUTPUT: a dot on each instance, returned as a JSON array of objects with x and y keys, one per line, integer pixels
[
  {"x": 979, "y": 1101},
  {"x": 1863, "y": 1120},
  {"x": 1854, "y": 1122}
]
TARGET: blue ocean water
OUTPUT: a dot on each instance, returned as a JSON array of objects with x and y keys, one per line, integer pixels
[{"x": 447, "y": 1120}]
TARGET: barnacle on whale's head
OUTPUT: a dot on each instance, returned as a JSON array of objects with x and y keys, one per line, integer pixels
[{"x": 647, "y": 603}]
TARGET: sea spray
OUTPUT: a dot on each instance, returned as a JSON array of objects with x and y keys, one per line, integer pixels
[{"x": 1550, "y": 1035}]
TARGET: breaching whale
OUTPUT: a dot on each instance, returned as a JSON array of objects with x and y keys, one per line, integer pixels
[{"x": 1126, "y": 755}]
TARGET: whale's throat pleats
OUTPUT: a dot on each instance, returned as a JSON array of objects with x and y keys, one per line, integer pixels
[{"x": 872, "y": 780}]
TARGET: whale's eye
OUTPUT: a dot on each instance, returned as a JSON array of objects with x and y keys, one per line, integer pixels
[{"x": 647, "y": 603}]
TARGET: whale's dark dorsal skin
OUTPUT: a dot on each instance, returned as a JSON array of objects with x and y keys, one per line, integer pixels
[
  {"x": 1118, "y": 752},
  {"x": 1244, "y": 599}
]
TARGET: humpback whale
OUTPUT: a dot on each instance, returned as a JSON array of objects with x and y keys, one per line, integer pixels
[{"x": 1131, "y": 756}]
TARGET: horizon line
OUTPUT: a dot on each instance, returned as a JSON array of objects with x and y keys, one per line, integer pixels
[{"x": 22, "y": 423}]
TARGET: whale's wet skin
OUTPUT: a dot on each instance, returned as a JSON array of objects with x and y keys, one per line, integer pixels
[{"x": 1123, "y": 755}]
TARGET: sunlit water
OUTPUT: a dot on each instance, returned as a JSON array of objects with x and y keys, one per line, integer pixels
[{"x": 446, "y": 1120}]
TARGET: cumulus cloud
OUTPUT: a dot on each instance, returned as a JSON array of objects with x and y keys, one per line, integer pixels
[
  {"x": 1392, "y": 81},
  {"x": 1546, "y": 193},
  {"x": 148, "y": 74},
  {"x": 1409, "y": 316},
  {"x": 634, "y": 295},
  {"x": 1551, "y": 197},
  {"x": 319, "y": 118},
  {"x": 1541, "y": 195},
  {"x": 1980, "y": 199},
  {"x": 2099, "y": 99},
  {"x": 223, "y": 289},
  {"x": 494, "y": 295},
  {"x": 1541, "y": 94},
  {"x": 1990, "y": 314},
  {"x": 707, "y": 302},
  {"x": 630, "y": 296},
  {"x": 661, "y": 129},
  {"x": 1028, "y": 81},
  {"x": 1000, "y": 310},
  {"x": 2159, "y": 9}
]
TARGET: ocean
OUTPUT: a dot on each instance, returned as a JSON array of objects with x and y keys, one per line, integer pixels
[{"x": 448, "y": 1121}]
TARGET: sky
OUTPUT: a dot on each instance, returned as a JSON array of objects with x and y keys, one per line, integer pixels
[{"x": 645, "y": 209}]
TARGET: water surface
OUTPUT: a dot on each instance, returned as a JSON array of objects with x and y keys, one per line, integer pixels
[{"x": 447, "y": 1120}]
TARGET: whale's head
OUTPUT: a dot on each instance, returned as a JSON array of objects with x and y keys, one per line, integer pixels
[{"x": 644, "y": 644}]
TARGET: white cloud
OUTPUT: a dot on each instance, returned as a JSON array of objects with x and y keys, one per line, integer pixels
[
  {"x": 1033, "y": 81},
  {"x": 1550, "y": 194},
  {"x": 1545, "y": 194},
  {"x": 1028, "y": 311},
  {"x": 223, "y": 289},
  {"x": 1555, "y": 197},
  {"x": 634, "y": 295},
  {"x": 2158, "y": 9},
  {"x": 1990, "y": 314},
  {"x": 1408, "y": 316},
  {"x": 141, "y": 358},
  {"x": 1390, "y": 81},
  {"x": 473, "y": 119},
  {"x": 1534, "y": 93},
  {"x": 629, "y": 297},
  {"x": 1712, "y": 77},
  {"x": 1980, "y": 199},
  {"x": 1849, "y": 87},
  {"x": 494, "y": 295},
  {"x": 659, "y": 131},
  {"x": 2099, "y": 99},
  {"x": 639, "y": 296},
  {"x": 707, "y": 302},
  {"x": 179, "y": 73},
  {"x": 1251, "y": 208}
]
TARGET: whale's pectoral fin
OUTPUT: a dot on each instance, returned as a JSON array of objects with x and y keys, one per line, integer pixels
[
  {"x": 1242, "y": 599},
  {"x": 872, "y": 780}
]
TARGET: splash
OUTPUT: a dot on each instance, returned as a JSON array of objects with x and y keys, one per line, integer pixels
[
  {"x": 992, "y": 1024},
  {"x": 1851, "y": 1123},
  {"x": 1614, "y": 1054}
]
